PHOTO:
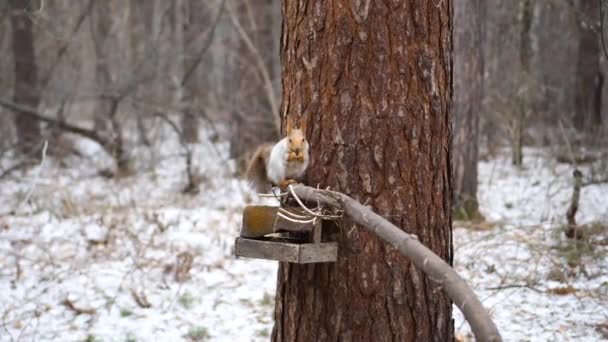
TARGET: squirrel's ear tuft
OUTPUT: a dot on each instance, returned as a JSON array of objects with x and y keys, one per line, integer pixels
[
  {"x": 289, "y": 125},
  {"x": 303, "y": 124}
]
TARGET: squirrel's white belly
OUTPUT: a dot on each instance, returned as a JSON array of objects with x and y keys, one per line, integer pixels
[
  {"x": 295, "y": 169},
  {"x": 275, "y": 167},
  {"x": 279, "y": 169}
]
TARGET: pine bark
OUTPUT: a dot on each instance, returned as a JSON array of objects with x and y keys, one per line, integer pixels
[
  {"x": 373, "y": 80},
  {"x": 26, "y": 91},
  {"x": 468, "y": 95}
]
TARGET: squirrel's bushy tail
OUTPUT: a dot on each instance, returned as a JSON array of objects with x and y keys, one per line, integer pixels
[{"x": 256, "y": 172}]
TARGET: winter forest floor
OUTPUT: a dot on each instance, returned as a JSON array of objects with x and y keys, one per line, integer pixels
[{"x": 83, "y": 257}]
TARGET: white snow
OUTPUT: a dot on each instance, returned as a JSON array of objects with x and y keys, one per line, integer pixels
[
  {"x": 103, "y": 245},
  {"x": 513, "y": 265},
  {"x": 102, "y": 242}
]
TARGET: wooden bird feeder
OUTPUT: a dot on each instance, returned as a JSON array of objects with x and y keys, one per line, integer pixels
[{"x": 283, "y": 234}]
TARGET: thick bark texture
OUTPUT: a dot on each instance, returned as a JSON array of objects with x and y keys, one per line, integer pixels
[
  {"x": 373, "y": 81},
  {"x": 587, "y": 98},
  {"x": 468, "y": 94},
  {"x": 26, "y": 88}
]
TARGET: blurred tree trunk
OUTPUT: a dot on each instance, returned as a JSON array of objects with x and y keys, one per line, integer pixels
[
  {"x": 468, "y": 94},
  {"x": 140, "y": 36},
  {"x": 524, "y": 88},
  {"x": 105, "y": 118},
  {"x": 557, "y": 49},
  {"x": 183, "y": 31},
  {"x": 26, "y": 91},
  {"x": 374, "y": 84},
  {"x": 589, "y": 81},
  {"x": 100, "y": 31},
  {"x": 256, "y": 116}
]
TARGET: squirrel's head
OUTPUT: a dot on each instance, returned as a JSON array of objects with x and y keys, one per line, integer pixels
[{"x": 296, "y": 140}]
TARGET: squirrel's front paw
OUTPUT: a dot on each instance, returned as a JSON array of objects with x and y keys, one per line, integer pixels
[
  {"x": 293, "y": 156},
  {"x": 285, "y": 183}
]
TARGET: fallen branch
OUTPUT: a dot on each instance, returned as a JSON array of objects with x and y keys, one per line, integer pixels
[
  {"x": 434, "y": 267},
  {"x": 112, "y": 146},
  {"x": 514, "y": 286},
  {"x": 79, "y": 311},
  {"x": 140, "y": 299},
  {"x": 33, "y": 113}
]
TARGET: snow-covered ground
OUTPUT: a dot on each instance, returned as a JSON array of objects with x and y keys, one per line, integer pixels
[
  {"x": 538, "y": 285},
  {"x": 83, "y": 257}
]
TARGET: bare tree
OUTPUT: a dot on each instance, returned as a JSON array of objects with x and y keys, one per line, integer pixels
[
  {"x": 255, "y": 115},
  {"x": 468, "y": 94},
  {"x": 26, "y": 89},
  {"x": 518, "y": 122},
  {"x": 100, "y": 31},
  {"x": 184, "y": 24},
  {"x": 557, "y": 36},
  {"x": 589, "y": 79},
  {"x": 374, "y": 84}
]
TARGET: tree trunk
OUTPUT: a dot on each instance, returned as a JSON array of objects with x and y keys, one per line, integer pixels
[
  {"x": 468, "y": 94},
  {"x": 587, "y": 101},
  {"x": 524, "y": 98},
  {"x": 100, "y": 30},
  {"x": 26, "y": 90},
  {"x": 256, "y": 113},
  {"x": 140, "y": 38},
  {"x": 374, "y": 84},
  {"x": 189, "y": 120}
]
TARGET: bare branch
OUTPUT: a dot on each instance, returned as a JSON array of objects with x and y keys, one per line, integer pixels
[
  {"x": 206, "y": 45},
  {"x": 64, "y": 48},
  {"x": 434, "y": 267},
  {"x": 87, "y": 133},
  {"x": 261, "y": 66},
  {"x": 79, "y": 311}
]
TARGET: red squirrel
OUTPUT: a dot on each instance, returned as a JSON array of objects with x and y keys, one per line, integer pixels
[{"x": 281, "y": 163}]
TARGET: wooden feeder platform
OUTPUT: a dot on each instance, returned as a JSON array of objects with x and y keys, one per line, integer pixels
[{"x": 283, "y": 234}]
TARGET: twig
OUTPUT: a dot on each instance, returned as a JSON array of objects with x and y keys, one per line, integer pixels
[
  {"x": 79, "y": 311},
  {"x": 191, "y": 186},
  {"x": 592, "y": 181},
  {"x": 63, "y": 49},
  {"x": 294, "y": 220},
  {"x": 206, "y": 45},
  {"x": 33, "y": 113},
  {"x": 514, "y": 286},
  {"x": 141, "y": 300},
  {"x": 273, "y": 195},
  {"x": 261, "y": 66},
  {"x": 36, "y": 177},
  {"x": 294, "y": 215},
  {"x": 17, "y": 166},
  {"x": 570, "y": 149},
  {"x": 326, "y": 217}
]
